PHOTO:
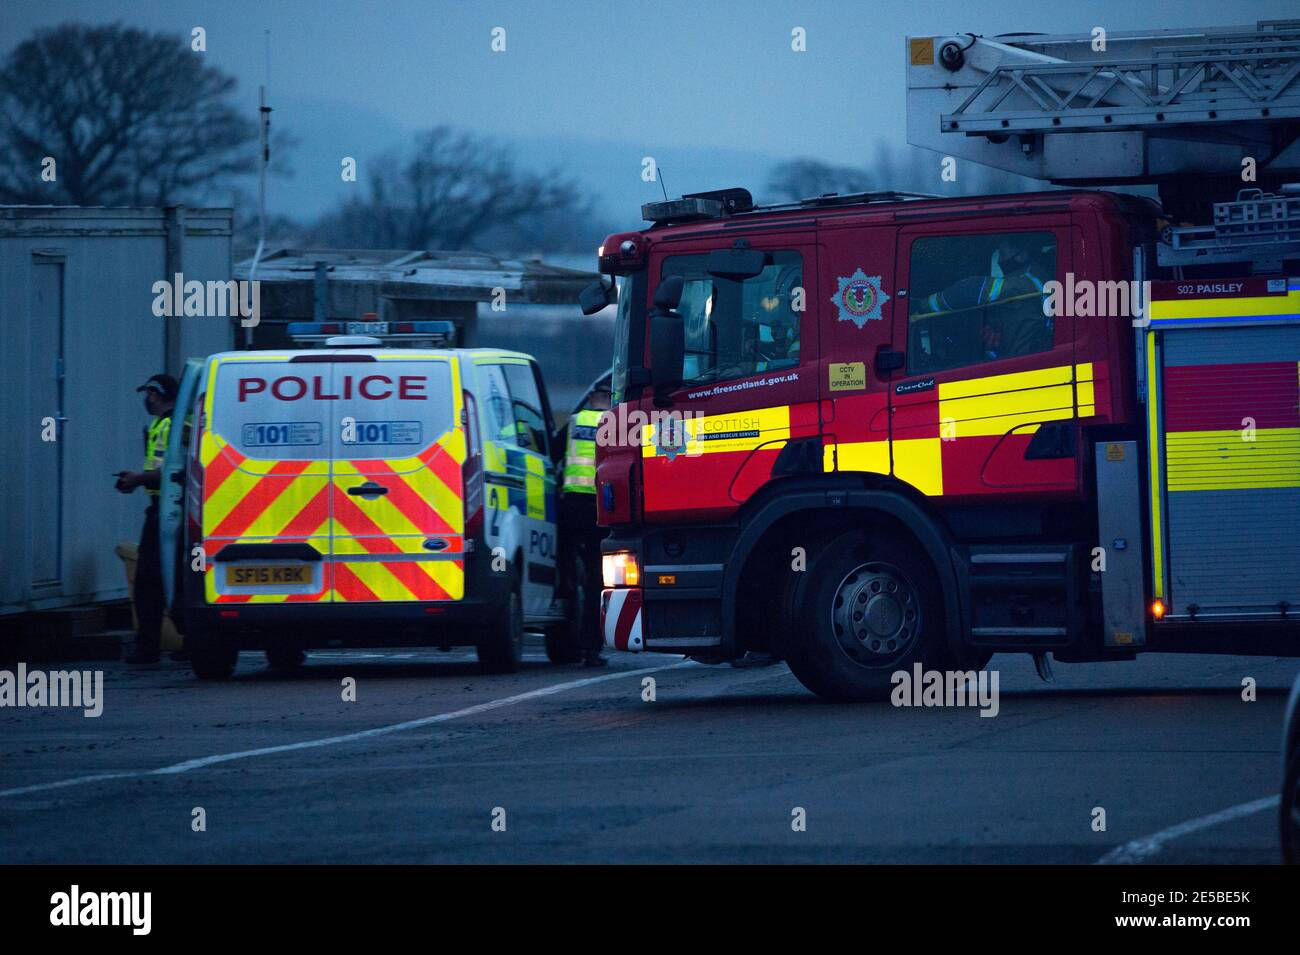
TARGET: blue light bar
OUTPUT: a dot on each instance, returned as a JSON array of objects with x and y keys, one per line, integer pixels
[{"x": 387, "y": 332}]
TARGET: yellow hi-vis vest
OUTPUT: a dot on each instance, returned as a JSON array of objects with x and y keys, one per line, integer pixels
[
  {"x": 155, "y": 446},
  {"x": 580, "y": 453}
]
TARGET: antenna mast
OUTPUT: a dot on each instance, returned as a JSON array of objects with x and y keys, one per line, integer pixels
[{"x": 264, "y": 159}]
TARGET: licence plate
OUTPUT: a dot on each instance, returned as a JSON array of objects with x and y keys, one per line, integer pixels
[{"x": 257, "y": 575}]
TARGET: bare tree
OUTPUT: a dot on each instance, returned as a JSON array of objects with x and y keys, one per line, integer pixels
[
  {"x": 805, "y": 178},
  {"x": 130, "y": 118},
  {"x": 451, "y": 189}
]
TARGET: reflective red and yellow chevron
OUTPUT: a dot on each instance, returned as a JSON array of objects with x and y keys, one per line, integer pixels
[
  {"x": 968, "y": 437},
  {"x": 373, "y": 549}
]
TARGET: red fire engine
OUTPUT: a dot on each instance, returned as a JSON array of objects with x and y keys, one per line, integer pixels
[{"x": 886, "y": 429}]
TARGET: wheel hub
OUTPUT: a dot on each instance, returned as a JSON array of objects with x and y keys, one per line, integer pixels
[{"x": 876, "y": 614}]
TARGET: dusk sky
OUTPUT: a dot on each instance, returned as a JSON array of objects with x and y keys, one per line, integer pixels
[{"x": 711, "y": 90}]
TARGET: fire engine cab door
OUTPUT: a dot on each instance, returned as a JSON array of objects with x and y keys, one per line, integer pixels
[
  {"x": 264, "y": 458},
  {"x": 988, "y": 395},
  {"x": 749, "y": 386},
  {"x": 395, "y": 489}
]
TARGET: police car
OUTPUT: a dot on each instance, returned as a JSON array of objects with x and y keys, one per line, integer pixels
[{"x": 356, "y": 493}]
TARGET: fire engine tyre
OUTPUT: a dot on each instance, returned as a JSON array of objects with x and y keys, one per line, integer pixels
[
  {"x": 1289, "y": 811},
  {"x": 213, "y": 661},
  {"x": 865, "y": 607},
  {"x": 501, "y": 646},
  {"x": 565, "y": 642},
  {"x": 284, "y": 658}
]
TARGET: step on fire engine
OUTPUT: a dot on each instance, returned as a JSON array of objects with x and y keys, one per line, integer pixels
[{"x": 899, "y": 430}]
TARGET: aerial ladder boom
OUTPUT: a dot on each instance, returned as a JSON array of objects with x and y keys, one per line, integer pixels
[{"x": 1185, "y": 110}]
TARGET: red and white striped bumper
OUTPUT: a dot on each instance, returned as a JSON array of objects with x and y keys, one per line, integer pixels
[{"x": 620, "y": 618}]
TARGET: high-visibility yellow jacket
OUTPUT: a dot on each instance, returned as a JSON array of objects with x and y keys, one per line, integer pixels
[
  {"x": 580, "y": 453},
  {"x": 155, "y": 446}
]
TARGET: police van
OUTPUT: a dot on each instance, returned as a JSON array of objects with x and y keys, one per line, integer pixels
[{"x": 375, "y": 490}]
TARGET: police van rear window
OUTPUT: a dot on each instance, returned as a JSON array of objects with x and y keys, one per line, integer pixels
[{"x": 387, "y": 409}]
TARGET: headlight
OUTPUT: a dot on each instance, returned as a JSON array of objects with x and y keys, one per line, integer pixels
[{"x": 620, "y": 569}]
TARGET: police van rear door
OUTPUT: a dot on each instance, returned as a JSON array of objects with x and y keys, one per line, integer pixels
[
  {"x": 396, "y": 486},
  {"x": 265, "y": 463}
]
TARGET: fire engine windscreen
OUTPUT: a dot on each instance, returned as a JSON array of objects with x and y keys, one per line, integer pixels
[
  {"x": 314, "y": 411},
  {"x": 978, "y": 298},
  {"x": 738, "y": 328}
]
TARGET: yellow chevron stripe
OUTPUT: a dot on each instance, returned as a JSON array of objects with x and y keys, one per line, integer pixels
[
  {"x": 405, "y": 543},
  {"x": 994, "y": 405},
  {"x": 381, "y": 581},
  {"x": 918, "y": 462},
  {"x": 424, "y": 483},
  {"x": 870, "y": 456},
  {"x": 241, "y": 484},
  {"x": 1226, "y": 307},
  {"x": 1223, "y": 461},
  {"x": 386, "y": 586},
  {"x": 535, "y": 486},
  {"x": 1153, "y": 482},
  {"x": 451, "y": 442},
  {"x": 210, "y": 447},
  {"x": 1085, "y": 390},
  {"x": 449, "y": 576},
  {"x": 1013, "y": 382}
]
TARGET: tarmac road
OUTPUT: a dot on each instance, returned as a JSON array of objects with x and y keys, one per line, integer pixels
[{"x": 578, "y": 767}]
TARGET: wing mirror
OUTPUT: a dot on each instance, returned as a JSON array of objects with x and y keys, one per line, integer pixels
[{"x": 596, "y": 296}]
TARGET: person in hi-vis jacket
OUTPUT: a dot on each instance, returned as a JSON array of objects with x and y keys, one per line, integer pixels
[{"x": 159, "y": 400}]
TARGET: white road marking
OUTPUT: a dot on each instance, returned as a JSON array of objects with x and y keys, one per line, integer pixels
[
  {"x": 1140, "y": 850},
  {"x": 474, "y": 710}
]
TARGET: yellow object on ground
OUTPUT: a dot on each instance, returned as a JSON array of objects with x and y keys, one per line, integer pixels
[{"x": 171, "y": 637}]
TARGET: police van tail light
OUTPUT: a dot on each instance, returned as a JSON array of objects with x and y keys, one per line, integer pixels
[{"x": 620, "y": 569}]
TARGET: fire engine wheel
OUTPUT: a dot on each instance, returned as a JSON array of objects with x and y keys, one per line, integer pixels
[
  {"x": 1289, "y": 813},
  {"x": 501, "y": 646},
  {"x": 213, "y": 661},
  {"x": 864, "y": 608}
]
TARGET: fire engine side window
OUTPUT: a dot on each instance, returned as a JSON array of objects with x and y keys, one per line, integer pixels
[
  {"x": 526, "y": 405},
  {"x": 498, "y": 418},
  {"x": 735, "y": 329},
  {"x": 978, "y": 298}
]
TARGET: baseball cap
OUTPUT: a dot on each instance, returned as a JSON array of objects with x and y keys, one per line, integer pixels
[{"x": 164, "y": 385}]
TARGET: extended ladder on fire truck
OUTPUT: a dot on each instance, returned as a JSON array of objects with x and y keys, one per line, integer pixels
[{"x": 1211, "y": 117}]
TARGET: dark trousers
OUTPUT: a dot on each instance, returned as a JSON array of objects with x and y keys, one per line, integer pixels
[
  {"x": 581, "y": 533},
  {"x": 149, "y": 586}
]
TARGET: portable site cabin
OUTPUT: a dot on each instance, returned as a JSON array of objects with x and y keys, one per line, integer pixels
[{"x": 78, "y": 335}]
